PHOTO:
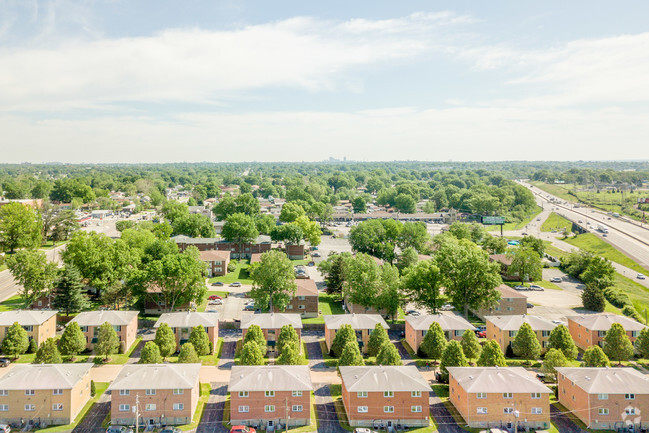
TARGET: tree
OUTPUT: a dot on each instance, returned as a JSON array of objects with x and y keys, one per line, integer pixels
[
  {"x": 434, "y": 342},
  {"x": 322, "y": 212},
  {"x": 593, "y": 299},
  {"x": 290, "y": 354},
  {"x": 617, "y": 344},
  {"x": 194, "y": 225},
  {"x": 470, "y": 345},
  {"x": 287, "y": 335},
  {"x": 422, "y": 283},
  {"x": 406, "y": 259},
  {"x": 642, "y": 343},
  {"x": 290, "y": 212},
  {"x": 389, "y": 297},
  {"x": 371, "y": 285},
  {"x": 188, "y": 354},
  {"x": 72, "y": 341},
  {"x": 273, "y": 281},
  {"x": 413, "y": 235},
  {"x": 251, "y": 354},
  {"x": 165, "y": 340},
  {"x": 255, "y": 335},
  {"x": 334, "y": 270},
  {"x": 561, "y": 339},
  {"x": 16, "y": 341},
  {"x": 599, "y": 273},
  {"x": 526, "y": 345},
  {"x": 173, "y": 210},
  {"x": 68, "y": 295},
  {"x": 200, "y": 341},
  {"x": 533, "y": 243},
  {"x": 350, "y": 355},
  {"x": 470, "y": 280},
  {"x": 359, "y": 204},
  {"x": 405, "y": 203},
  {"x": 48, "y": 353},
  {"x": 378, "y": 338},
  {"x": 453, "y": 356},
  {"x": 388, "y": 355},
  {"x": 376, "y": 237},
  {"x": 344, "y": 335},
  {"x": 553, "y": 358},
  {"x": 107, "y": 341},
  {"x": 491, "y": 355},
  {"x": 264, "y": 223},
  {"x": 247, "y": 204},
  {"x": 93, "y": 388},
  {"x": 34, "y": 272},
  {"x": 240, "y": 228},
  {"x": 225, "y": 207},
  {"x": 526, "y": 263},
  {"x": 310, "y": 230},
  {"x": 594, "y": 356},
  {"x": 150, "y": 354},
  {"x": 20, "y": 226}
]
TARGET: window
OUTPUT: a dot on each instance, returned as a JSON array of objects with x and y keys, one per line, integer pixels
[
  {"x": 179, "y": 406},
  {"x": 630, "y": 410},
  {"x": 4, "y": 392},
  {"x": 150, "y": 406},
  {"x": 124, "y": 407},
  {"x": 117, "y": 328},
  {"x": 297, "y": 408},
  {"x": 634, "y": 334},
  {"x": 244, "y": 409},
  {"x": 601, "y": 333},
  {"x": 243, "y": 394},
  {"x": 29, "y": 392},
  {"x": 508, "y": 410},
  {"x": 513, "y": 333},
  {"x": 84, "y": 329},
  {"x": 301, "y": 307},
  {"x": 603, "y": 411},
  {"x": 415, "y": 409},
  {"x": 57, "y": 391},
  {"x": 536, "y": 395},
  {"x": 179, "y": 391},
  {"x": 269, "y": 393},
  {"x": 537, "y": 410},
  {"x": 415, "y": 394},
  {"x": 388, "y": 394},
  {"x": 362, "y": 409},
  {"x": 388, "y": 409},
  {"x": 602, "y": 396},
  {"x": 545, "y": 333},
  {"x": 4, "y": 407},
  {"x": 508, "y": 395},
  {"x": 269, "y": 408},
  {"x": 289, "y": 307},
  {"x": 57, "y": 406},
  {"x": 297, "y": 394},
  {"x": 481, "y": 395},
  {"x": 481, "y": 410},
  {"x": 30, "y": 407},
  {"x": 301, "y": 298},
  {"x": 361, "y": 394},
  {"x": 28, "y": 328},
  {"x": 124, "y": 392},
  {"x": 150, "y": 392},
  {"x": 629, "y": 396}
]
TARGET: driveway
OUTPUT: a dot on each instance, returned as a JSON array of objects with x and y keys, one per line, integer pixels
[
  {"x": 316, "y": 358},
  {"x": 445, "y": 421},
  {"x": 405, "y": 356},
  {"x": 91, "y": 423},
  {"x": 212, "y": 420},
  {"x": 232, "y": 308},
  {"x": 562, "y": 422},
  {"x": 226, "y": 361},
  {"x": 326, "y": 410}
]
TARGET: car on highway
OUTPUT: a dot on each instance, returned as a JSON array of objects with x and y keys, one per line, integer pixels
[
  {"x": 640, "y": 277},
  {"x": 213, "y": 297},
  {"x": 235, "y": 284},
  {"x": 556, "y": 280},
  {"x": 536, "y": 287},
  {"x": 217, "y": 283}
]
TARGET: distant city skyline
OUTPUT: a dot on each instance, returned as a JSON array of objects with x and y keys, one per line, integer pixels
[{"x": 116, "y": 81}]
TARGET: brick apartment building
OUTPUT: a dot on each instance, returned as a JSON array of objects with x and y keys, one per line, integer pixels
[
  {"x": 40, "y": 325},
  {"x": 503, "y": 329},
  {"x": 453, "y": 325},
  {"x": 305, "y": 301},
  {"x": 124, "y": 322},
  {"x": 362, "y": 324},
  {"x": 154, "y": 303},
  {"x": 182, "y": 324},
  {"x": 260, "y": 245},
  {"x": 511, "y": 303},
  {"x": 590, "y": 329},
  {"x": 216, "y": 261},
  {"x": 271, "y": 324}
]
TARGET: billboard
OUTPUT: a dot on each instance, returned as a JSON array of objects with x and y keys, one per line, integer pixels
[{"x": 493, "y": 220}]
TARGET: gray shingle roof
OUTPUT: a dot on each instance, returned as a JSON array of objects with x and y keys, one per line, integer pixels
[
  {"x": 358, "y": 321},
  {"x": 603, "y": 322},
  {"x": 188, "y": 319},
  {"x": 448, "y": 322},
  {"x": 513, "y": 323},
  {"x": 602, "y": 380},
  {"x": 270, "y": 378},
  {"x": 272, "y": 320},
  {"x": 383, "y": 378},
  {"x": 156, "y": 376},
  {"x": 496, "y": 380},
  {"x": 44, "y": 376},
  {"x": 98, "y": 318},
  {"x": 25, "y": 317}
]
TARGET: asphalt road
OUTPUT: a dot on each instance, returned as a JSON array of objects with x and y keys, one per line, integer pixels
[
  {"x": 212, "y": 420},
  {"x": 326, "y": 410}
]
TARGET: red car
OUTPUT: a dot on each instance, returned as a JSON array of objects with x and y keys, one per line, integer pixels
[
  {"x": 213, "y": 297},
  {"x": 481, "y": 334},
  {"x": 242, "y": 429}
]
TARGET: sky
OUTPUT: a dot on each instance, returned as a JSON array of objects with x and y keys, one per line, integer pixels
[{"x": 226, "y": 80}]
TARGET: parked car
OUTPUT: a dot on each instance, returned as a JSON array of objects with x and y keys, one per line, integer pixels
[
  {"x": 119, "y": 429},
  {"x": 212, "y": 310},
  {"x": 4, "y": 428},
  {"x": 362, "y": 430},
  {"x": 235, "y": 284},
  {"x": 170, "y": 430},
  {"x": 640, "y": 277},
  {"x": 481, "y": 334},
  {"x": 524, "y": 234},
  {"x": 519, "y": 287},
  {"x": 413, "y": 313},
  {"x": 481, "y": 328},
  {"x": 556, "y": 280},
  {"x": 315, "y": 254},
  {"x": 213, "y": 297},
  {"x": 215, "y": 302},
  {"x": 242, "y": 429},
  {"x": 530, "y": 305},
  {"x": 217, "y": 283},
  {"x": 249, "y": 307},
  {"x": 536, "y": 287},
  {"x": 447, "y": 307},
  {"x": 4, "y": 362}
]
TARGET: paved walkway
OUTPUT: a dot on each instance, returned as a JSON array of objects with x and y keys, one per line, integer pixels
[
  {"x": 326, "y": 410},
  {"x": 212, "y": 420},
  {"x": 405, "y": 355},
  {"x": 562, "y": 422},
  {"x": 91, "y": 423}
]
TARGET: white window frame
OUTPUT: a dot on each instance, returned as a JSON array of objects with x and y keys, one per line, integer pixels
[
  {"x": 415, "y": 409},
  {"x": 179, "y": 391},
  {"x": 4, "y": 408},
  {"x": 296, "y": 394},
  {"x": 481, "y": 411},
  {"x": 537, "y": 411},
  {"x": 602, "y": 396},
  {"x": 244, "y": 409},
  {"x": 30, "y": 407},
  {"x": 362, "y": 409},
  {"x": 150, "y": 407},
  {"x": 508, "y": 410},
  {"x": 481, "y": 395},
  {"x": 508, "y": 395},
  {"x": 57, "y": 406},
  {"x": 602, "y": 411},
  {"x": 388, "y": 394},
  {"x": 361, "y": 394},
  {"x": 150, "y": 392},
  {"x": 415, "y": 393},
  {"x": 630, "y": 411},
  {"x": 269, "y": 408},
  {"x": 179, "y": 406},
  {"x": 388, "y": 409},
  {"x": 297, "y": 408},
  {"x": 124, "y": 407},
  {"x": 244, "y": 394},
  {"x": 57, "y": 392},
  {"x": 629, "y": 396},
  {"x": 4, "y": 392},
  {"x": 124, "y": 392},
  {"x": 269, "y": 393},
  {"x": 29, "y": 392}
]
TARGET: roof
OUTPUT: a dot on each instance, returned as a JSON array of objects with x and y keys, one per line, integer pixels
[
  {"x": 604, "y": 380},
  {"x": 25, "y": 317},
  {"x": 502, "y": 258},
  {"x": 214, "y": 255},
  {"x": 383, "y": 378},
  {"x": 424, "y": 257},
  {"x": 157, "y": 376},
  {"x": 508, "y": 292},
  {"x": 448, "y": 322},
  {"x": 603, "y": 322},
  {"x": 496, "y": 379},
  {"x": 255, "y": 258},
  {"x": 513, "y": 323},
  {"x": 270, "y": 378},
  {"x": 306, "y": 287},
  {"x": 44, "y": 376},
  {"x": 98, "y": 318},
  {"x": 272, "y": 320},
  {"x": 358, "y": 321},
  {"x": 188, "y": 319}
]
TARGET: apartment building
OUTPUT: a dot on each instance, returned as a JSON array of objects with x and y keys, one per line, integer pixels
[
  {"x": 40, "y": 325},
  {"x": 305, "y": 301},
  {"x": 503, "y": 329},
  {"x": 590, "y": 329},
  {"x": 511, "y": 303},
  {"x": 124, "y": 322},
  {"x": 362, "y": 324},
  {"x": 271, "y": 324},
  {"x": 453, "y": 325},
  {"x": 182, "y": 324},
  {"x": 216, "y": 261}
]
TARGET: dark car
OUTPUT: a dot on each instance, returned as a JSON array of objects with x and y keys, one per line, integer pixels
[
  {"x": 441, "y": 379},
  {"x": 217, "y": 283},
  {"x": 4, "y": 362},
  {"x": 170, "y": 430},
  {"x": 530, "y": 305}
]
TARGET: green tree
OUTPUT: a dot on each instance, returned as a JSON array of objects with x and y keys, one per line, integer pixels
[
  {"x": 290, "y": 212},
  {"x": 264, "y": 223},
  {"x": 413, "y": 235},
  {"x": 594, "y": 356},
  {"x": 16, "y": 341},
  {"x": 33, "y": 272},
  {"x": 378, "y": 337},
  {"x": 93, "y": 388},
  {"x": 376, "y": 237},
  {"x": 593, "y": 299},
  {"x": 434, "y": 342},
  {"x": 351, "y": 355},
  {"x": 194, "y": 225},
  {"x": 48, "y": 353},
  {"x": 200, "y": 341},
  {"x": 388, "y": 355},
  {"x": 72, "y": 341},
  {"x": 533, "y": 243},
  {"x": 256, "y": 335},
  {"x": 422, "y": 283},
  {"x": 290, "y": 354},
  {"x": 165, "y": 340},
  {"x": 188, "y": 354},
  {"x": 561, "y": 339},
  {"x": 107, "y": 341},
  {"x": 334, "y": 270},
  {"x": 290, "y": 233},
  {"x": 20, "y": 227},
  {"x": 470, "y": 345},
  {"x": 453, "y": 356},
  {"x": 273, "y": 281},
  {"x": 251, "y": 354},
  {"x": 599, "y": 273},
  {"x": 491, "y": 355},
  {"x": 406, "y": 259},
  {"x": 526, "y": 345},
  {"x": 526, "y": 264},
  {"x": 344, "y": 335},
  {"x": 553, "y": 358},
  {"x": 287, "y": 335},
  {"x": 247, "y": 204},
  {"x": 150, "y": 354},
  {"x": 359, "y": 204},
  {"x": 617, "y": 344},
  {"x": 225, "y": 207},
  {"x": 310, "y": 230},
  {"x": 642, "y": 343},
  {"x": 68, "y": 295},
  {"x": 239, "y": 228},
  {"x": 405, "y": 203}
]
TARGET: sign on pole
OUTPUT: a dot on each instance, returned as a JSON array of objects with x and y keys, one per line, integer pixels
[{"x": 493, "y": 220}]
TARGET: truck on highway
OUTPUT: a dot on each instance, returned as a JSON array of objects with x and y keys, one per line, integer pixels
[{"x": 602, "y": 228}]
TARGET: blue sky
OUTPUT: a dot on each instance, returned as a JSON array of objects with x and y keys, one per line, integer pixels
[{"x": 158, "y": 81}]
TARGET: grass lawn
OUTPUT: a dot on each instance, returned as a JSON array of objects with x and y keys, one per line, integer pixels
[
  {"x": 327, "y": 305},
  {"x": 638, "y": 293},
  {"x": 240, "y": 274},
  {"x": 328, "y": 359},
  {"x": 314, "y": 422},
  {"x": 518, "y": 225},
  {"x": 100, "y": 388},
  {"x": 202, "y": 399},
  {"x": 210, "y": 360},
  {"x": 544, "y": 284},
  {"x": 221, "y": 293},
  {"x": 560, "y": 191},
  {"x": 555, "y": 252},
  {"x": 556, "y": 222},
  {"x": 118, "y": 358},
  {"x": 592, "y": 243},
  {"x": 49, "y": 245},
  {"x": 13, "y": 303}
]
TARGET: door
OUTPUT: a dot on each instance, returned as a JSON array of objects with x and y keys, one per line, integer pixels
[{"x": 270, "y": 425}]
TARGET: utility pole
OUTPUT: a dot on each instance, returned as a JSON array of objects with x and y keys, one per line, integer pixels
[
  {"x": 286, "y": 414},
  {"x": 137, "y": 413}
]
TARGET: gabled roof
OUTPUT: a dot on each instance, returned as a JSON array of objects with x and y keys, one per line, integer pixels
[
  {"x": 513, "y": 323},
  {"x": 496, "y": 379},
  {"x": 604, "y": 380},
  {"x": 306, "y": 287},
  {"x": 26, "y": 317},
  {"x": 603, "y": 322},
  {"x": 255, "y": 258},
  {"x": 383, "y": 378},
  {"x": 157, "y": 376},
  {"x": 272, "y": 320},
  {"x": 98, "y": 318},
  {"x": 214, "y": 255},
  {"x": 502, "y": 258},
  {"x": 448, "y": 322},
  {"x": 508, "y": 292},
  {"x": 44, "y": 376},
  {"x": 188, "y": 319},
  {"x": 358, "y": 321},
  {"x": 270, "y": 378}
]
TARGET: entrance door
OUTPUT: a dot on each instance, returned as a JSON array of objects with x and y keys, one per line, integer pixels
[{"x": 270, "y": 425}]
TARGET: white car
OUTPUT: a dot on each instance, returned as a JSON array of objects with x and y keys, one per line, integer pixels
[
  {"x": 556, "y": 280},
  {"x": 535, "y": 287},
  {"x": 640, "y": 277},
  {"x": 557, "y": 322},
  {"x": 215, "y": 302}
]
